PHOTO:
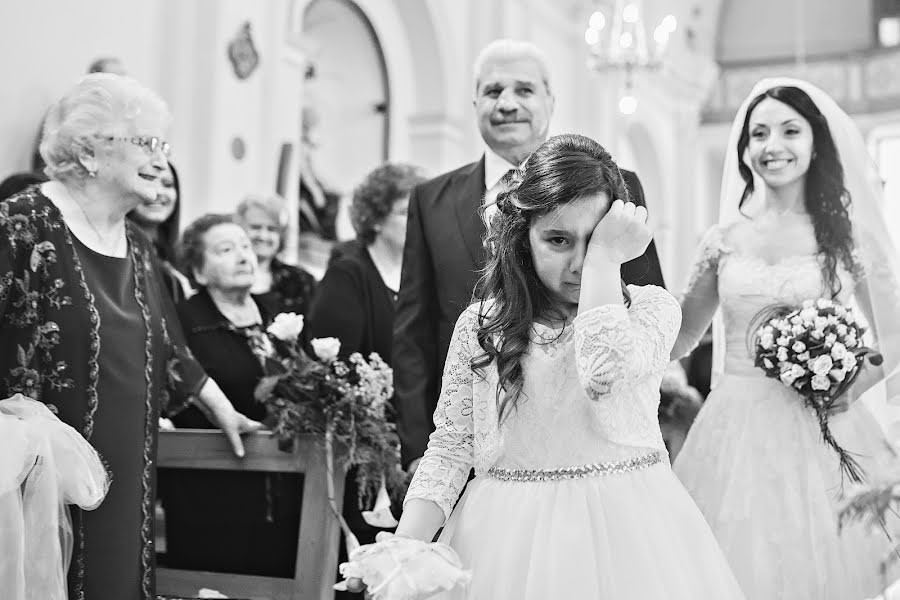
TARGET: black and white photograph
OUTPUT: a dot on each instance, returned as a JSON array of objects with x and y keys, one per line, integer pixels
[{"x": 432, "y": 300}]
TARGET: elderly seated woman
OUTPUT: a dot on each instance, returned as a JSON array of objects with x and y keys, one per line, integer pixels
[
  {"x": 231, "y": 522},
  {"x": 280, "y": 287}
]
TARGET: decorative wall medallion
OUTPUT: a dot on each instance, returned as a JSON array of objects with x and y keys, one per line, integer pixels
[
  {"x": 242, "y": 53},
  {"x": 238, "y": 148}
]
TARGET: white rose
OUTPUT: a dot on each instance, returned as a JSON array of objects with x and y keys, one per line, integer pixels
[
  {"x": 782, "y": 341},
  {"x": 796, "y": 320},
  {"x": 842, "y": 329},
  {"x": 768, "y": 363},
  {"x": 286, "y": 327},
  {"x": 830, "y": 339},
  {"x": 821, "y": 365},
  {"x": 837, "y": 374},
  {"x": 787, "y": 377},
  {"x": 816, "y": 334},
  {"x": 766, "y": 341},
  {"x": 790, "y": 374},
  {"x": 849, "y": 361},
  {"x": 820, "y": 382},
  {"x": 803, "y": 357},
  {"x": 798, "y": 347},
  {"x": 832, "y": 320},
  {"x": 824, "y": 303},
  {"x": 849, "y": 318},
  {"x": 838, "y": 351},
  {"x": 326, "y": 349},
  {"x": 782, "y": 353},
  {"x": 808, "y": 314},
  {"x": 821, "y": 323},
  {"x": 850, "y": 341}
]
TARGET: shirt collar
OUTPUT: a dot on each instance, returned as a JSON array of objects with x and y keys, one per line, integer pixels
[{"x": 495, "y": 167}]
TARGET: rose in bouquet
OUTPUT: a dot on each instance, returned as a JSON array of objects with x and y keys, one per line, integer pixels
[
  {"x": 816, "y": 350},
  {"x": 345, "y": 403}
]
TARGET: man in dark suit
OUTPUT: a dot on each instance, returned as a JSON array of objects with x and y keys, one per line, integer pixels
[{"x": 444, "y": 254}]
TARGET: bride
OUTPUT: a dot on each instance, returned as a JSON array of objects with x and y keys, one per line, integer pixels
[{"x": 799, "y": 219}]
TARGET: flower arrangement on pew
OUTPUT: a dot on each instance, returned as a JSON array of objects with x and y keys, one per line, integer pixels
[{"x": 345, "y": 403}]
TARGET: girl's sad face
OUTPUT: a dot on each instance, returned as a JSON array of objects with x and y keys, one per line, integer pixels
[{"x": 558, "y": 242}]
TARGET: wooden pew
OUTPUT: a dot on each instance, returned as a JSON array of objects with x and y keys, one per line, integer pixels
[{"x": 319, "y": 532}]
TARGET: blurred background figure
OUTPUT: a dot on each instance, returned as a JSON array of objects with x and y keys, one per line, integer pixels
[
  {"x": 158, "y": 218},
  {"x": 279, "y": 286},
  {"x": 107, "y": 64},
  {"x": 356, "y": 297},
  {"x": 17, "y": 182}
]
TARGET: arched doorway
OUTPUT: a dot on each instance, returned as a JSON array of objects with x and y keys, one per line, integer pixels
[{"x": 346, "y": 100}]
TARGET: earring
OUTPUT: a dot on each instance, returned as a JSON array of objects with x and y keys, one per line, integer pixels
[{"x": 92, "y": 174}]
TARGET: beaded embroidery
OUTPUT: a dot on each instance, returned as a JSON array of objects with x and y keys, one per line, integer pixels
[{"x": 593, "y": 470}]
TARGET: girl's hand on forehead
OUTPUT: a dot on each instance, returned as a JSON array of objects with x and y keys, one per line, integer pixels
[{"x": 622, "y": 234}]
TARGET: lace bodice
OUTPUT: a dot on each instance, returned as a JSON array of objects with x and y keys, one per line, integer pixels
[
  {"x": 743, "y": 285},
  {"x": 590, "y": 394}
]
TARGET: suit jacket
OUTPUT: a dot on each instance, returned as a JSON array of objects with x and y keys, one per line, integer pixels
[{"x": 442, "y": 261}]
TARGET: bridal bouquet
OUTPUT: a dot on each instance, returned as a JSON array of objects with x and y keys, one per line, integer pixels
[
  {"x": 345, "y": 403},
  {"x": 816, "y": 350}
]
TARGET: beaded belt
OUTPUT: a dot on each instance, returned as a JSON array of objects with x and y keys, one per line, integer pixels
[{"x": 594, "y": 470}]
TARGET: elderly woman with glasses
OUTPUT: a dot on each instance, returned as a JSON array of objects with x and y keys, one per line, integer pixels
[
  {"x": 278, "y": 286},
  {"x": 88, "y": 327}
]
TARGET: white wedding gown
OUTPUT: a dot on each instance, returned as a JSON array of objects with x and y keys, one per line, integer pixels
[
  {"x": 754, "y": 460},
  {"x": 590, "y": 395}
]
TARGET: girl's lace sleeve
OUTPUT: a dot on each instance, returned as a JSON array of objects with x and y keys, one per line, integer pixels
[
  {"x": 615, "y": 346},
  {"x": 444, "y": 469},
  {"x": 701, "y": 297}
]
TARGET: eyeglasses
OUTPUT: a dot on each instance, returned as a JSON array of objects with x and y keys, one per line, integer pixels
[{"x": 149, "y": 144}]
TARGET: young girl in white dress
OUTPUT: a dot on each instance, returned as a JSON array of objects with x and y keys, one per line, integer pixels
[
  {"x": 809, "y": 226},
  {"x": 550, "y": 391}
]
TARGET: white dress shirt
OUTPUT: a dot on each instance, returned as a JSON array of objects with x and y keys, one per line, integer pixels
[{"x": 495, "y": 167}]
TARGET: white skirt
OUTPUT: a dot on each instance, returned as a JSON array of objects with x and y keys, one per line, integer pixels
[
  {"x": 627, "y": 536},
  {"x": 755, "y": 463}
]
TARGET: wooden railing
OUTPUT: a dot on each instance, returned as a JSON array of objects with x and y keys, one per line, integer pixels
[{"x": 318, "y": 535}]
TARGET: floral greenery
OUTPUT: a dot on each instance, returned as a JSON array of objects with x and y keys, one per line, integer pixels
[
  {"x": 870, "y": 505},
  {"x": 345, "y": 403},
  {"x": 817, "y": 350}
]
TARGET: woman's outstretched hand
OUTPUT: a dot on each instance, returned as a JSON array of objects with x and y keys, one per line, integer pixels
[{"x": 622, "y": 234}]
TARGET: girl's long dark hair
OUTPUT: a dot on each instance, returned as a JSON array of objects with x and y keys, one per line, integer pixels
[
  {"x": 827, "y": 200},
  {"x": 563, "y": 169}
]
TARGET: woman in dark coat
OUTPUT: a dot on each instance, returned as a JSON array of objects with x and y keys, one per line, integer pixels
[
  {"x": 229, "y": 522},
  {"x": 355, "y": 300}
]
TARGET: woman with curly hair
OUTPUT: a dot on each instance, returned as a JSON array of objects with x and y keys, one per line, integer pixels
[
  {"x": 355, "y": 299},
  {"x": 798, "y": 221},
  {"x": 550, "y": 392}
]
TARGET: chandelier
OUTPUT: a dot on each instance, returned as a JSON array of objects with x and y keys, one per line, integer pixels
[{"x": 624, "y": 46}]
